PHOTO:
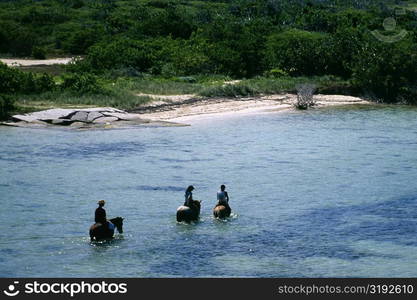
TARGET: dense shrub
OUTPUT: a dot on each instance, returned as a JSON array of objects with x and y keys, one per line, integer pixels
[
  {"x": 14, "y": 81},
  {"x": 79, "y": 40},
  {"x": 275, "y": 73},
  {"x": 82, "y": 84},
  {"x": 11, "y": 80},
  {"x": 38, "y": 52},
  {"x": 43, "y": 83},
  {"x": 297, "y": 52},
  {"x": 118, "y": 54},
  {"x": 165, "y": 56},
  {"x": 387, "y": 71},
  {"x": 16, "y": 39},
  {"x": 229, "y": 90},
  {"x": 237, "y": 38},
  {"x": 6, "y": 106}
]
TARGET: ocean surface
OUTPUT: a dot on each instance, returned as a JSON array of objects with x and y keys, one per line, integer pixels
[{"x": 319, "y": 193}]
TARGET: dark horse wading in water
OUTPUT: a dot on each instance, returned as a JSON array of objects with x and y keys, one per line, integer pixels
[
  {"x": 100, "y": 232},
  {"x": 188, "y": 214}
]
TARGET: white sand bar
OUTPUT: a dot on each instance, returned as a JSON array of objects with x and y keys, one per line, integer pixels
[{"x": 185, "y": 111}]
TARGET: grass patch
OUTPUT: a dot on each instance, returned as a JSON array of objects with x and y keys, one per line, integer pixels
[
  {"x": 53, "y": 70},
  {"x": 159, "y": 87},
  {"x": 264, "y": 85},
  {"x": 170, "y": 86},
  {"x": 229, "y": 90}
]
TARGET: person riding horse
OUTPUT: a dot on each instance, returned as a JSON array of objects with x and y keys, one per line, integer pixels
[
  {"x": 190, "y": 210},
  {"x": 103, "y": 228},
  {"x": 189, "y": 196},
  {"x": 100, "y": 216},
  {"x": 223, "y": 198}
]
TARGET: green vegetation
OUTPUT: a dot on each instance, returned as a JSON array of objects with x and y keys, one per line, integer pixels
[
  {"x": 6, "y": 105},
  {"x": 179, "y": 46}
]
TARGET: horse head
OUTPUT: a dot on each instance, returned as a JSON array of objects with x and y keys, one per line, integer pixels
[{"x": 118, "y": 222}]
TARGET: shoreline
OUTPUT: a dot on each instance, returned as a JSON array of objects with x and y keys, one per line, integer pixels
[
  {"x": 182, "y": 109},
  {"x": 173, "y": 110}
]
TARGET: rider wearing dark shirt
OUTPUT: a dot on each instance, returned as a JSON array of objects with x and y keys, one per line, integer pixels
[
  {"x": 100, "y": 215},
  {"x": 189, "y": 196}
]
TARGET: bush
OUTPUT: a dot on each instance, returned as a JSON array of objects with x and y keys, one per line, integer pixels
[
  {"x": 14, "y": 81},
  {"x": 6, "y": 106},
  {"x": 121, "y": 53},
  {"x": 44, "y": 83},
  {"x": 79, "y": 40},
  {"x": 297, "y": 52},
  {"x": 38, "y": 53},
  {"x": 11, "y": 80},
  {"x": 275, "y": 73},
  {"x": 387, "y": 71},
  {"x": 19, "y": 41},
  {"x": 229, "y": 90},
  {"x": 125, "y": 72},
  {"x": 187, "y": 79},
  {"x": 82, "y": 84}
]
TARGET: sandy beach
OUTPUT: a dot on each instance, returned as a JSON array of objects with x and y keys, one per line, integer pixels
[
  {"x": 191, "y": 107},
  {"x": 183, "y": 108},
  {"x": 14, "y": 62}
]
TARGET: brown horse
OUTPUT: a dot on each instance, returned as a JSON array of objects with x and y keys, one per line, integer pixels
[
  {"x": 222, "y": 211},
  {"x": 99, "y": 232},
  {"x": 188, "y": 214}
]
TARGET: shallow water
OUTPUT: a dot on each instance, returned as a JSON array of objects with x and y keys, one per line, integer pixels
[{"x": 324, "y": 193}]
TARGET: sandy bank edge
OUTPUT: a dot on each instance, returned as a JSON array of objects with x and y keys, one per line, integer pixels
[
  {"x": 194, "y": 109},
  {"x": 17, "y": 62}
]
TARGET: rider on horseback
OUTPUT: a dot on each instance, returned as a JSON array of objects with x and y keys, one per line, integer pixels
[
  {"x": 189, "y": 196},
  {"x": 223, "y": 197},
  {"x": 100, "y": 215}
]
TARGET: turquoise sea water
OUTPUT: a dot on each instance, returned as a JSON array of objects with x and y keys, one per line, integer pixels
[{"x": 323, "y": 193}]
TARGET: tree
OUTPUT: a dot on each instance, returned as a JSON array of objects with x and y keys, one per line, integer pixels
[
  {"x": 297, "y": 52},
  {"x": 387, "y": 71}
]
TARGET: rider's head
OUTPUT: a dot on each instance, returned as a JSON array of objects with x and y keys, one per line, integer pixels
[
  {"x": 101, "y": 202},
  {"x": 222, "y": 187},
  {"x": 190, "y": 188}
]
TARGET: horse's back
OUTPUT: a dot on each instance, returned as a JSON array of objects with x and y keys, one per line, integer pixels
[
  {"x": 183, "y": 208},
  {"x": 95, "y": 226},
  {"x": 221, "y": 211},
  {"x": 99, "y": 232},
  {"x": 187, "y": 214}
]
